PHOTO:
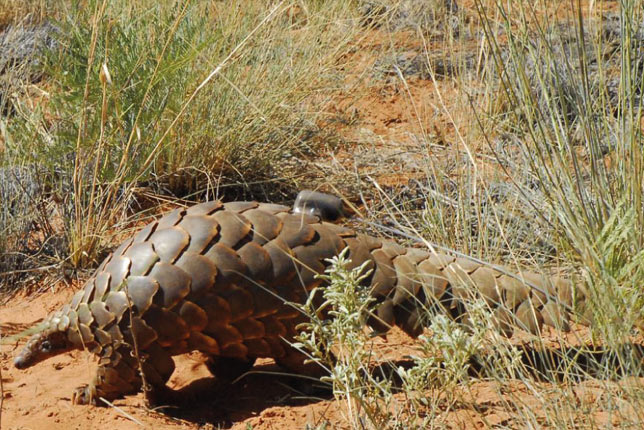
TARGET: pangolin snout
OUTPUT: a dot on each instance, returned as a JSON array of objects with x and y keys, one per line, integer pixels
[{"x": 20, "y": 362}]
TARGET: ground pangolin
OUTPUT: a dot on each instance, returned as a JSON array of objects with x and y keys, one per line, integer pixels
[{"x": 221, "y": 278}]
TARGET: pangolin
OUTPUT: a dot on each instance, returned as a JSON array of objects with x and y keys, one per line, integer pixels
[{"x": 223, "y": 278}]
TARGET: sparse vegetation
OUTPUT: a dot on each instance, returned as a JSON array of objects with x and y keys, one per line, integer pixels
[
  {"x": 521, "y": 142},
  {"x": 181, "y": 98},
  {"x": 341, "y": 347}
]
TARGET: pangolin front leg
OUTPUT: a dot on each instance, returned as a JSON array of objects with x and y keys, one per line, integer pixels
[
  {"x": 115, "y": 377},
  {"x": 124, "y": 372}
]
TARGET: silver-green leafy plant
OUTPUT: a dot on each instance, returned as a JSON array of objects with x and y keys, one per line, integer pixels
[{"x": 336, "y": 340}]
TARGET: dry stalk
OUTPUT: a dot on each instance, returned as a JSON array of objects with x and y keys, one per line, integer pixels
[
  {"x": 144, "y": 383},
  {"x": 1, "y": 393}
]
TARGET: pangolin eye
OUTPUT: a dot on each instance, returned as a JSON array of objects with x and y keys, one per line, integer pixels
[{"x": 45, "y": 346}]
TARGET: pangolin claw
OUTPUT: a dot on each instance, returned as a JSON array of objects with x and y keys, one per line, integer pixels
[{"x": 84, "y": 395}]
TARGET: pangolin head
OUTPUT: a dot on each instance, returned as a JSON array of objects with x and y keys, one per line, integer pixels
[{"x": 50, "y": 340}]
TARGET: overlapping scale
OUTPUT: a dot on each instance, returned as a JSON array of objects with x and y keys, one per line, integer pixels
[
  {"x": 257, "y": 260},
  {"x": 170, "y": 328},
  {"x": 202, "y": 270},
  {"x": 266, "y": 227},
  {"x": 100, "y": 314},
  {"x": 384, "y": 277},
  {"x": 282, "y": 261},
  {"x": 194, "y": 316},
  {"x": 141, "y": 291},
  {"x": 118, "y": 269},
  {"x": 217, "y": 309},
  {"x": 201, "y": 342},
  {"x": 174, "y": 284},
  {"x": 296, "y": 232},
  {"x": 170, "y": 219},
  {"x": 202, "y": 230},
  {"x": 143, "y": 258},
  {"x": 234, "y": 228},
  {"x": 206, "y": 208},
  {"x": 241, "y": 303},
  {"x": 102, "y": 285},
  {"x": 117, "y": 303},
  {"x": 169, "y": 243},
  {"x": 240, "y": 207},
  {"x": 230, "y": 267},
  {"x": 257, "y": 347},
  {"x": 407, "y": 277}
]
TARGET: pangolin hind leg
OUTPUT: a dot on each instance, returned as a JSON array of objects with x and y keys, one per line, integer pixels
[
  {"x": 293, "y": 360},
  {"x": 227, "y": 369}
]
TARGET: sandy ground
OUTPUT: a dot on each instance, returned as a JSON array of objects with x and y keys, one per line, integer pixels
[{"x": 40, "y": 397}]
